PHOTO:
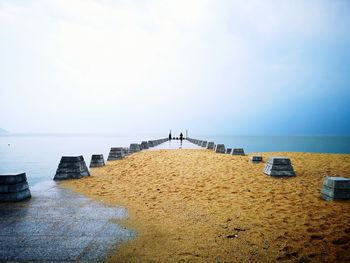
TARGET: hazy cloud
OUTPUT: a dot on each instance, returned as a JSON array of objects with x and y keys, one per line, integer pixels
[{"x": 211, "y": 66}]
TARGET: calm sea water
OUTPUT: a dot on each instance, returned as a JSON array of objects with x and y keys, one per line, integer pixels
[{"x": 39, "y": 155}]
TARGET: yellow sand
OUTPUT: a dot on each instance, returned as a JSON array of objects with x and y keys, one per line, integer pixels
[{"x": 198, "y": 206}]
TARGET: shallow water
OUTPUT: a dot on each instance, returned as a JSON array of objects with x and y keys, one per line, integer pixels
[{"x": 39, "y": 155}]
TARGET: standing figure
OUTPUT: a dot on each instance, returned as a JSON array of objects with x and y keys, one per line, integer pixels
[
  {"x": 170, "y": 135},
  {"x": 181, "y": 136}
]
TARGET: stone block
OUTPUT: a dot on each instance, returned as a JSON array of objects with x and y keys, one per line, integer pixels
[
  {"x": 116, "y": 153},
  {"x": 71, "y": 167},
  {"x": 144, "y": 145},
  {"x": 279, "y": 167},
  {"x": 335, "y": 194},
  {"x": 335, "y": 188},
  {"x": 279, "y": 160},
  {"x": 256, "y": 159},
  {"x": 204, "y": 144},
  {"x": 220, "y": 148},
  {"x": 97, "y": 160},
  {"x": 134, "y": 147},
  {"x": 6, "y": 179},
  {"x": 210, "y": 145},
  {"x": 126, "y": 151},
  {"x": 14, "y": 187},
  {"x": 238, "y": 151},
  {"x": 228, "y": 150},
  {"x": 15, "y": 196},
  {"x": 282, "y": 167},
  {"x": 337, "y": 182}
]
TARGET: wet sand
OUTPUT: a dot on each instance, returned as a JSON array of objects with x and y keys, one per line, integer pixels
[{"x": 198, "y": 206}]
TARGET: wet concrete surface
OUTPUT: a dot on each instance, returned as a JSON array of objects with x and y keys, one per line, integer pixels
[
  {"x": 176, "y": 144},
  {"x": 58, "y": 225}
]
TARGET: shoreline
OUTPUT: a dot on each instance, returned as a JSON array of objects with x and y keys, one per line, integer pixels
[{"x": 190, "y": 205}]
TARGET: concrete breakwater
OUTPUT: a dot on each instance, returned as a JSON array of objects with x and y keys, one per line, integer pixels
[{"x": 74, "y": 167}]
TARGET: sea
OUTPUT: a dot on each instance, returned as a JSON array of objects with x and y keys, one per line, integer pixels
[{"x": 38, "y": 155}]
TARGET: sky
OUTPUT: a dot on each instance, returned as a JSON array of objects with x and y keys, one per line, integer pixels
[{"x": 210, "y": 66}]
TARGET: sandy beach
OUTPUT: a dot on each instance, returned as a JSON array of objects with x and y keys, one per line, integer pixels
[{"x": 198, "y": 206}]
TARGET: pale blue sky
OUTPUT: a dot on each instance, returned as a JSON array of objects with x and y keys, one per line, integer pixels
[{"x": 214, "y": 67}]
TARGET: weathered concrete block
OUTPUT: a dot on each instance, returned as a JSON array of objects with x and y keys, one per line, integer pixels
[
  {"x": 335, "y": 188},
  {"x": 14, "y": 187},
  {"x": 220, "y": 148},
  {"x": 150, "y": 144},
  {"x": 282, "y": 167},
  {"x": 228, "y": 150},
  {"x": 279, "y": 160},
  {"x": 210, "y": 145},
  {"x": 238, "y": 151},
  {"x": 337, "y": 182},
  {"x": 144, "y": 145},
  {"x": 16, "y": 196},
  {"x": 279, "y": 167},
  {"x": 204, "y": 144},
  {"x": 97, "y": 160},
  {"x": 116, "y": 153},
  {"x": 71, "y": 167},
  {"x": 6, "y": 179},
  {"x": 126, "y": 151},
  {"x": 134, "y": 147},
  {"x": 335, "y": 194},
  {"x": 256, "y": 159}
]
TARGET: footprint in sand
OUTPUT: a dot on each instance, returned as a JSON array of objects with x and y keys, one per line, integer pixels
[
  {"x": 341, "y": 241},
  {"x": 316, "y": 237}
]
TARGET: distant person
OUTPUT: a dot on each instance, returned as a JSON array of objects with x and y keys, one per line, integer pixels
[
  {"x": 170, "y": 135},
  {"x": 181, "y": 137}
]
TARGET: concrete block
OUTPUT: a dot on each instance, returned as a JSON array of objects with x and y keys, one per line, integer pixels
[
  {"x": 134, "y": 147},
  {"x": 238, "y": 151},
  {"x": 279, "y": 160},
  {"x": 337, "y": 182},
  {"x": 97, "y": 160},
  {"x": 15, "y": 196},
  {"x": 6, "y": 179},
  {"x": 71, "y": 167},
  {"x": 144, "y": 145},
  {"x": 228, "y": 150},
  {"x": 335, "y": 188},
  {"x": 14, "y": 187},
  {"x": 335, "y": 194},
  {"x": 256, "y": 159},
  {"x": 116, "y": 153},
  {"x": 279, "y": 167},
  {"x": 210, "y": 145},
  {"x": 220, "y": 148}
]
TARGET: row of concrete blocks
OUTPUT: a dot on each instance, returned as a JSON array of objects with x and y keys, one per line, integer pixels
[
  {"x": 74, "y": 167},
  {"x": 334, "y": 188},
  {"x": 218, "y": 148}
]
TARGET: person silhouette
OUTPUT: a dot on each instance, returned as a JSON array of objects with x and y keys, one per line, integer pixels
[
  {"x": 170, "y": 135},
  {"x": 181, "y": 137}
]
